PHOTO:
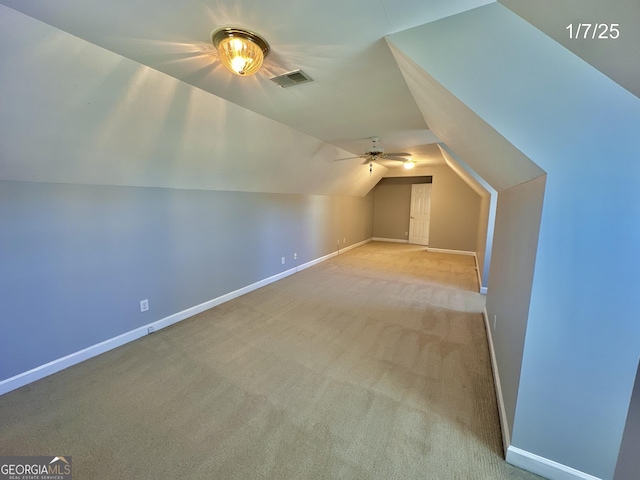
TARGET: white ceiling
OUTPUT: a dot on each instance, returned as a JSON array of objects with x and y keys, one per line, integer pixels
[
  {"x": 617, "y": 58},
  {"x": 358, "y": 90}
]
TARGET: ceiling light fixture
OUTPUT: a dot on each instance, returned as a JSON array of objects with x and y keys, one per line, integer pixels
[
  {"x": 241, "y": 51},
  {"x": 409, "y": 164}
]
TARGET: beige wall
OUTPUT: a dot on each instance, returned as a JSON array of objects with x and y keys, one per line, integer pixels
[
  {"x": 455, "y": 209},
  {"x": 515, "y": 243},
  {"x": 484, "y": 211},
  {"x": 68, "y": 248},
  {"x": 486, "y": 215},
  {"x": 392, "y": 202}
]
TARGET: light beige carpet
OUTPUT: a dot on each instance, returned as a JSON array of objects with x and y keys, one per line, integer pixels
[{"x": 371, "y": 365}]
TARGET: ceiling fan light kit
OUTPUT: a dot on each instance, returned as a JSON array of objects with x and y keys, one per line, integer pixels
[
  {"x": 409, "y": 164},
  {"x": 241, "y": 51},
  {"x": 375, "y": 153}
]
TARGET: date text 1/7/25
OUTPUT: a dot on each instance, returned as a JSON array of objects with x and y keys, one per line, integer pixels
[{"x": 594, "y": 31}]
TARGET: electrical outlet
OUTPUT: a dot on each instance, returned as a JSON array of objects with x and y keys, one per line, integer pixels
[
  {"x": 144, "y": 305},
  {"x": 406, "y": 234},
  {"x": 295, "y": 256},
  {"x": 283, "y": 260},
  {"x": 495, "y": 319},
  {"x": 344, "y": 240},
  {"x": 150, "y": 330}
]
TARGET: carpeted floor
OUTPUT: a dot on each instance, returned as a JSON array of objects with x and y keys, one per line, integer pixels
[{"x": 371, "y": 365}]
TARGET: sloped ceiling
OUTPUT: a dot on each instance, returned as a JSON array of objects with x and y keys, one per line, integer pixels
[
  {"x": 93, "y": 117},
  {"x": 495, "y": 158},
  {"x": 615, "y": 57},
  {"x": 132, "y": 92},
  {"x": 357, "y": 90}
]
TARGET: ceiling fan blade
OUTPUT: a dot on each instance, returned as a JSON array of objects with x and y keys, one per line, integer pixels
[
  {"x": 397, "y": 154},
  {"x": 393, "y": 157},
  {"x": 348, "y": 158}
]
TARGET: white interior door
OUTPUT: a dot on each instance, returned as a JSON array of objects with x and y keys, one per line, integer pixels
[{"x": 420, "y": 212}]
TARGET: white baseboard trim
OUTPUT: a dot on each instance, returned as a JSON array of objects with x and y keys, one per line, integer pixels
[
  {"x": 59, "y": 364},
  {"x": 316, "y": 261},
  {"x": 331, "y": 255},
  {"x": 475, "y": 256},
  {"x": 483, "y": 290},
  {"x": 544, "y": 467},
  {"x": 355, "y": 245},
  {"x": 393, "y": 240},
  {"x": 516, "y": 456},
  {"x": 54, "y": 366},
  {"x": 502, "y": 412},
  {"x": 455, "y": 252}
]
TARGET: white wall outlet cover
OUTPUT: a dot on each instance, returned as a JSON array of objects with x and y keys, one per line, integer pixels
[{"x": 283, "y": 260}]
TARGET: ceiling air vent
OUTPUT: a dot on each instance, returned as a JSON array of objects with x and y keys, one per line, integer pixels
[{"x": 290, "y": 79}]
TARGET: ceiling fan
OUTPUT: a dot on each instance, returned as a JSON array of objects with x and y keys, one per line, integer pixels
[{"x": 376, "y": 153}]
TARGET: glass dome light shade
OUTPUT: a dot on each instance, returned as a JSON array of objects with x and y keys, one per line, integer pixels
[
  {"x": 409, "y": 164},
  {"x": 242, "y": 52}
]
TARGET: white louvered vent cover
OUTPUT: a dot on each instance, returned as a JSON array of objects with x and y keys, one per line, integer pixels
[{"x": 289, "y": 79}]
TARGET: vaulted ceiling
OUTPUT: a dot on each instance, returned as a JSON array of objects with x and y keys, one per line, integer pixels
[{"x": 153, "y": 106}]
